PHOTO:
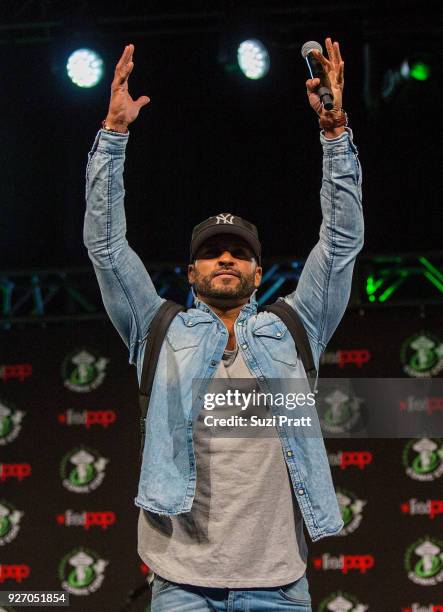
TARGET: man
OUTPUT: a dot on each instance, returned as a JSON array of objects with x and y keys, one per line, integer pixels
[{"x": 221, "y": 519}]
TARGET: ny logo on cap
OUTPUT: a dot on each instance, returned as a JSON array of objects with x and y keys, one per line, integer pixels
[{"x": 225, "y": 218}]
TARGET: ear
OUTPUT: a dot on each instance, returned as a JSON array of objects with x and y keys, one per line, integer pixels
[
  {"x": 258, "y": 276},
  {"x": 191, "y": 273}
]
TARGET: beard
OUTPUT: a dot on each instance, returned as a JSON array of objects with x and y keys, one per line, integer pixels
[{"x": 243, "y": 289}]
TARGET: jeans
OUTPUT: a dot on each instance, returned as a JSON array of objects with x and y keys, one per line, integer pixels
[{"x": 172, "y": 597}]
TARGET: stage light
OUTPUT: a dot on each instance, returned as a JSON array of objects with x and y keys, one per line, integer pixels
[
  {"x": 253, "y": 58},
  {"x": 418, "y": 70},
  {"x": 85, "y": 68}
]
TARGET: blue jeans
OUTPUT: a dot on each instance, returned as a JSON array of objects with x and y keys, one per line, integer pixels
[{"x": 172, "y": 597}]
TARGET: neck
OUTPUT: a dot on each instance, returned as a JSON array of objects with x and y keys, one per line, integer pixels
[{"x": 228, "y": 313}]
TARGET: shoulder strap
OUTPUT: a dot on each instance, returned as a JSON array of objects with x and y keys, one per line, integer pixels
[
  {"x": 292, "y": 321},
  {"x": 157, "y": 332}
]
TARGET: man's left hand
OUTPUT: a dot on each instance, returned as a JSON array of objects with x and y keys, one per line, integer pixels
[{"x": 334, "y": 70}]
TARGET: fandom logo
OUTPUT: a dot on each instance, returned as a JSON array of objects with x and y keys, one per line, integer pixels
[
  {"x": 341, "y": 602},
  {"x": 16, "y": 371},
  {"x": 83, "y": 370},
  {"x": 342, "y": 413},
  {"x": 422, "y": 355},
  {"x": 343, "y": 357},
  {"x": 430, "y": 507},
  {"x": 14, "y": 470},
  {"x": 14, "y": 572},
  {"x": 345, "y": 459},
  {"x": 9, "y": 522},
  {"x": 351, "y": 510},
  {"x": 82, "y": 571},
  {"x": 344, "y": 563},
  {"x": 423, "y": 459},
  {"x": 86, "y": 519},
  {"x": 424, "y": 561},
  {"x": 87, "y": 418},
  {"x": 10, "y": 422},
  {"x": 82, "y": 470}
]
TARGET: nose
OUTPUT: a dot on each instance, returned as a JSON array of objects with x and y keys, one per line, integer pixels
[{"x": 225, "y": 258}]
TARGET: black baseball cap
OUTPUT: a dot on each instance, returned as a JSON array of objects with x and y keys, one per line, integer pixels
[{"x": 225, "y": 223}]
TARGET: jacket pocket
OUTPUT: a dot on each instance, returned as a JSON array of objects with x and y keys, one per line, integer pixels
[
  {"x": 187, "y": 331},
  {"x": 275, "y": 337}
]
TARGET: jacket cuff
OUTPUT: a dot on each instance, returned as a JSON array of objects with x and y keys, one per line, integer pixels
[
  {"x": 110, "y": 142},
  {"x": 341, "y": 144}
]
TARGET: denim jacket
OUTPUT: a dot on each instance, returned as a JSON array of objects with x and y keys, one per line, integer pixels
[{"x": 196, "y": 339}]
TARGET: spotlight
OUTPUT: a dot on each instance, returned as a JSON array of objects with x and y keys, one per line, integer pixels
[
  {"x": 416, "y": 69},
  {"x": 85, "y": 68},
  {"x": 253, "y": 58}
]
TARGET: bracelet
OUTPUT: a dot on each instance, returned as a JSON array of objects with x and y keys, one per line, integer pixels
[
  {"x": 331, "y": 120},
  {"x": 108, "y": 129}
]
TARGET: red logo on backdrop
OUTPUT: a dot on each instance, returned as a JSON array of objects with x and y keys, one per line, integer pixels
[
  {"x": 344, "y": 563},
  {"x": 416, "y": 607},
  {"x": 87, "y": 519},
  {"x": 358, "y": 458},
  {"x": 18, "y": 371},
  {"x": 430, "y": 507},
  {"x": 87, "y": 418},
  {"x": 344, "y": 459},
  {"x": 422, "y": 404},
  {"x": 14, "y": 470},
  {"x": 343, "y": 357},
  {"x": 144, "y": 569},
  {"x": 10, "y": 571}
]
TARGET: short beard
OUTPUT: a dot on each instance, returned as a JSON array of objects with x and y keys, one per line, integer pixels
[{"x": 244, "y": 289}]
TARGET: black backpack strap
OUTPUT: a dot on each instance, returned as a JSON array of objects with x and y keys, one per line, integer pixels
[
  {"x": 292, "y": 321},
  {"x": 156, "y": 334}
]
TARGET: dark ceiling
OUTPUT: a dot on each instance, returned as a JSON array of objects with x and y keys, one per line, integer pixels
[{"x": 211, "y": 141}]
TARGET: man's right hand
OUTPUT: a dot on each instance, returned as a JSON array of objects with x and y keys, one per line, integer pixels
[{"x": 123, "y": 110}]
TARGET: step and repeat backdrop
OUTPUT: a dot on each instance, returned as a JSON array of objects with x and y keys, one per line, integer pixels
[{"x": 69, "y": 443}]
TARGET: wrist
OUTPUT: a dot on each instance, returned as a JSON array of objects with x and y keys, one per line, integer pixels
[
  {"x": 334, "y": 133},
  {"x": 333, "y": 122},
  {"x": 113, "y": 125}
]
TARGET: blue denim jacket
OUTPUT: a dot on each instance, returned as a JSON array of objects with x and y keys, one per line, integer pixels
[{"x": 197, "y": 338}]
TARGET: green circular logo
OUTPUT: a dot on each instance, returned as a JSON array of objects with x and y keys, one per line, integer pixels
[
  {"x": 422, "y": 355},
  {"x": 81, "y": 571}
]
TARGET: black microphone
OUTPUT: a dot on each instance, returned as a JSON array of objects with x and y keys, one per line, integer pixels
[{"x": 316, "y": 71}]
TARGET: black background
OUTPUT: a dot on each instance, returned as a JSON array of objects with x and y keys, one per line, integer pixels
[{"x": 212, "y": 141}]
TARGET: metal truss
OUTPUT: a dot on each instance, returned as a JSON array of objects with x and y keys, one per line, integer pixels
[{"x": 56, "y": 295}]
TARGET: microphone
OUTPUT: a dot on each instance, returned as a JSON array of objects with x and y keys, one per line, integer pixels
[{"x": 316, "y": 71}]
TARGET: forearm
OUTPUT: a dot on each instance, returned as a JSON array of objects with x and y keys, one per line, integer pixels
[
  {"x": 342, "y": 227},
  {"x": 127, "y": 290},
  {"x": 105, "y": 222},
  {"x": 323, "y": 290}
]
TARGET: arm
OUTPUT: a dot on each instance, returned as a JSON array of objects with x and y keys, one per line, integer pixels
[
  {"x": 127, "y": 291},
  {"x": 323, "y": 290}
]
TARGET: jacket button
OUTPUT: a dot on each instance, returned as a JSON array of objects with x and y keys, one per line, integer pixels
[
  {"x": 244, "y": 346},
  {"x": 213, "y": 363},
  {"x": 189, "y": 323},
  {"x": 301, "y": 491},
  {"x": 289, "y": 453},
  {"x": 278, "y": 334}
]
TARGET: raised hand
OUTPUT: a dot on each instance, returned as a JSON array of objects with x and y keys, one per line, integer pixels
[
  {"x": 334, "y": 69},
  {"x": 123, "y": 110}
]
